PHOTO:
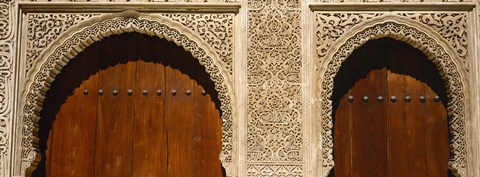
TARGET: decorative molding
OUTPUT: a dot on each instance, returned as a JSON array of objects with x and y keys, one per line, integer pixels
[
  {"x": 267, "y": 170},
  {"x": 274, "y": 125},
  {"x": 389, "y": 1},
  {"x": 7, "y": 52},
  {"x": 437, "y": 49},
  {"x": 133, "y": 1},
  {"x": 215, "y": 29},
  {"x": 43, "y": 28},
  {"x": 74, "y": 40}
]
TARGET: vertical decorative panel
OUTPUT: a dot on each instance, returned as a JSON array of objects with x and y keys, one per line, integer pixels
[{"x": 274, "y": 125}]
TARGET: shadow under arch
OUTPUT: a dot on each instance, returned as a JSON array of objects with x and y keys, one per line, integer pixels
[
  {"x": 345, "y": 80},
  {"x": 76, "y": 39},
  {"x": 417, "y": 35},
  {"x": 72, "y": 77}
]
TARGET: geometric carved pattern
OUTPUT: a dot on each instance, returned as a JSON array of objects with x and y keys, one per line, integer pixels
[
  {"x": 215, "y": 29},
  {"x": 274, "y": 63},
  {"x": 44, "y": 28},
  {"x": 451, "y": 26},
  {"x": 74, "y": 41},
  {"x": 332, "y": 25},
  {"x": 262, "y": 170},
  {"x": 134, "y": 0},
  {"x": 7, "y": 52},
  {"x": 451, "y": 74}
]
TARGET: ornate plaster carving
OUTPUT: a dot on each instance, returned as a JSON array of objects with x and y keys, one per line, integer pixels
[
  {"x": 262, "y": 170},
  {"x": 43, "y": 28},
  {"x": 7, "y": 52},
  {"x": 134, "y": 0},
  {"x": 387, "y": 1},
  {"x": 451, "y": 26},
  {"x": 274, "y": 127},
  {"x": 437, "y": 49},
  {"x": 74, "y": 40},
  {"x": 215, "y": 29}
]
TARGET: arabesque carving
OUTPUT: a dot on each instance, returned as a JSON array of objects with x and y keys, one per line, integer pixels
[
  {"x": 43, "y": 28},
  {"x": 388, "y": 1},
  {"x": 216, "y": 29},
  {"x": 7, "y": 52},
  {"x": 262, "y": 170},
  {"x": 73, "y": 41},
  {"x": 274, "y": 63},
  {"x": 451, "y": 26},
  {"x": 450, "y": 69}
]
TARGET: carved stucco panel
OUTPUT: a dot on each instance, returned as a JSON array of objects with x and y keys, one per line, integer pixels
[
  {"x": 451, "y": 26},
  {"x": 73, "y": 41},
  {"x": 274, "y": 127},
  {"x": 216, "y": 29},
  {"x": 451, "y": 70},
  {"x": 263, "y": 170},
  {"x": 388, "y": 1},
  {"x": 7, "y": 17},
  {"x": 43, "y": 28},
  {"x": 133, "y": 1}
]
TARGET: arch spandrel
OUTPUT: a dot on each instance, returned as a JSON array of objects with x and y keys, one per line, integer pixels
[
  {"x": 449, "y": 66},
  {"x": 80, "y": 36}
]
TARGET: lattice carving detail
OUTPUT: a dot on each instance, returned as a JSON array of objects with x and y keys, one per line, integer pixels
[
  {"x": 451, "y": 26},
  {"x": 389, "y": 1},
  {"x": 7, "y": 17},
  {"x": 132, "y": 0},
  {"x": 216, "y": 29},
  {"x": 262, "y": 170},
  {"x": 437, "y": 53},
  {"x": 73, "y": 43},
  {"x": 44, "y": 28},
  {"x": 274, "y": 130},
  {"x": 333, "y": 25}
]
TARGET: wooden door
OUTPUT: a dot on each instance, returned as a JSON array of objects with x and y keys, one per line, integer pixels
[
  {"x": 131, "y": 105},
  {"x": 390, "y": 115}
]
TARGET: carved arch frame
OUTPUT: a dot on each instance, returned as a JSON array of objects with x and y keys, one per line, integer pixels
[
  {"x": 84, "y": 34},
  {"x": 449, "y": 66}
]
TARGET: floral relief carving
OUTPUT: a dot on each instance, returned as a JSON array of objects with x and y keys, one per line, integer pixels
[
  {"x": 6, "y": 81},
  {"x": 451, "y": 26},
  {"x": 44, "y": 28},
  {"x": 136, "y": 1},
  {"x": 437, "y": 53},
  {"x": 274, "y": 129},
  {"x": 262, "y": 170},
  {"x": 387, "y": 1},
  {"x": 97, "y": 28},
  {"x": 216, "y": 29},
  {"x": 333, "y": 25}
]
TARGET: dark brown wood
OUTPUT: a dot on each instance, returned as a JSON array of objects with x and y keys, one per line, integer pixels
[
  {"x": 401, "y": 138},
  {"x": 115, "y": 113},
  {"x": 149, "y": 149},
  {"x": 132, "y": 135},
  {"x": 179, "y": 113},
  {"x": 207, "y": 144}
]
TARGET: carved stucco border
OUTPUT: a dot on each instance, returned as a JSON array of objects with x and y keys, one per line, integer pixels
[
  {"x": 437, "y": 49},
  {"x": 77, "y": 38}
]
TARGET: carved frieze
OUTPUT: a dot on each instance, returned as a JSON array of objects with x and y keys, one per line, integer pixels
[
  {"x": 388, "y": 1},
  {"x": 133, "y": 0},
  {"x": 274, "y": 130},
  {"x": 262, "y": 170}
]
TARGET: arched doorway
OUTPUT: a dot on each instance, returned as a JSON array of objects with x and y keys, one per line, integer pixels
[
  {"x": 389, "y": 113},
  {"x": 131, "y": 105}
]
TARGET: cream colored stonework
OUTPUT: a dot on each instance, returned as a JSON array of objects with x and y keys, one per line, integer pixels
[{"x": 272, "y": 62}]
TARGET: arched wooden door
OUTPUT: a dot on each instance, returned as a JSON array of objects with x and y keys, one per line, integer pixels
[
  {"x": 390, "y": 115},
  {"x": 131, "y": 105}
]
